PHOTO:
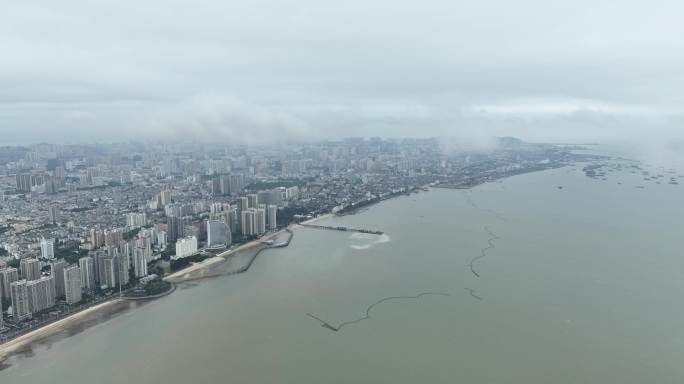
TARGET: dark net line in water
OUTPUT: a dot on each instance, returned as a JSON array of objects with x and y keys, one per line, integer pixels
[
  {"x": 333, "y": 328},
  {"x": 472, "y": 203},
  {"x": 483, "y": 252},
  {"x": 473, "y": 294}
]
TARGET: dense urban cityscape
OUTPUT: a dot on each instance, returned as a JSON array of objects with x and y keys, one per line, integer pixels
[{"x": 81, "y": 224}]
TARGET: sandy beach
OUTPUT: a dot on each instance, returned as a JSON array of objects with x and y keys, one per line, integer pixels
[
  {"x": 222, "y": 256},
  {"x": 55, "y": 327},
  {"x": 50, "y": 329},
  {"x": 321, "y": 217}
]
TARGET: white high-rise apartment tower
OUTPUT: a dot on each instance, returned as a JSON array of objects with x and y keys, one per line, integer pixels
[
  {"x": 20, "y": 303},
  {"x": 72, "y": 284},
  {"x": 87, "y": 269},
  {"x": 47, "y": 248}
]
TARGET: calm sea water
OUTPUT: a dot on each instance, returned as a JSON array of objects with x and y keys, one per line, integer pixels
[{"x": 583, "y": 284}]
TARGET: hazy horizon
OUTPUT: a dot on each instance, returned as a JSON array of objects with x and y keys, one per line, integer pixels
[{"x": 268, "y": 71}]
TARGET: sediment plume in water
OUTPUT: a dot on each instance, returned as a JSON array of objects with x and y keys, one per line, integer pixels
[{"x": 367, "y": 316}]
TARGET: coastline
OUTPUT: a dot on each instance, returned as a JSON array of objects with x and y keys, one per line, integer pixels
[
  {"x": 50, "y": 329},
  {"x": 47, "y": 330},
  {"x": 314, "y": 219},
  {"x": 179, "y": 275}
]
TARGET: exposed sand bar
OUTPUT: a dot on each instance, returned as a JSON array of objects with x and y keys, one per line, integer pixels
[{"x": 50, "y": 329}]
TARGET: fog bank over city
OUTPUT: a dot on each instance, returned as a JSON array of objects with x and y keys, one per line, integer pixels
[{"x": 278, "y": 71}]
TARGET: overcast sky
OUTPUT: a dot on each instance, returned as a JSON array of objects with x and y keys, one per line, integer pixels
[{"x": 266, "y": 70}]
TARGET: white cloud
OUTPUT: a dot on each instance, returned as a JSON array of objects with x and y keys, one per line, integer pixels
[{"x": 328, "y": 69}]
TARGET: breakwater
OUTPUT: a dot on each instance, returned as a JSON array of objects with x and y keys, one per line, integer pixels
[
  {"x": 258, "y": 252},
  {"x": 346, "y": 229}
]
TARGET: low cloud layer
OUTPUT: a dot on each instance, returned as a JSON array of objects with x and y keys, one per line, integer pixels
[{"x": 271, "y": 71}]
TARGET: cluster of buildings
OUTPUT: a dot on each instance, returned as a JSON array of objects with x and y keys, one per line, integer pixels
[
  {"x": 30, "y": 290},
  {"x": 101, "y": 217}
]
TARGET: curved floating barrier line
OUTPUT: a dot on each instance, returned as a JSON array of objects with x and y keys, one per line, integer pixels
[
  {"x": 333, "y": 328},
  {"x": 483, "y": 252},
  {"x": 496, "y": 214},
  {"x": 473, "y": 294}
]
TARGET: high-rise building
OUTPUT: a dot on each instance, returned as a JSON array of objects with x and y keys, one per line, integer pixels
[
  {"x": 30, "y": 269},
  {"x": 271, "y": 217},
  {"x": 202, "y": 230},
  {"x": 72, "y": 282},
  {"x": 50, "y": 185},
  {"x": 224, "y": 184},
  {"x": 87, "y": 269},
  {"x": 260, "y": 221},
  {"x": 136, "y": 219},
  {"x": 57, "y": 271},
  {"x": 291, "y": 193},
  {"x": 96, "y": 238},
  {"x": 98, "y": 257},
  {"x": 112, "y": 237},
  {"x": 247, "y": 222},
  {"x": 109, "y": 271},
  {"x": 237, "y": 183},
  {"x": 41, "y": 293},
  {"x": 20, "y": 302},
  {"x": 216, "y": 207},
  {"x": 243, "y": 203},
  {"x": 252, "y": 200},
  {"x": 186, "y": 246},
  {"x": 23, "y": 182},
  {"x": 161, "y": 239},
  {"x": 175, "y": 228},
  {"x": 215, "y": 186},
  {"x": 47, "y": 248},
  {"x": 233, "y": 220},
  {"x": 164, "y": 197},
  {"x": 139, "y": 262},
  {"x": 218, "y": 233},
  {"x": 124, "y": 268},
  {"x": 53, "y": 213},
  {"x": 7, "y": 277}
]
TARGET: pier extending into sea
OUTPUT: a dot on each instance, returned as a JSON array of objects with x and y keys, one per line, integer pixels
[{"x": 347, "y": 229}]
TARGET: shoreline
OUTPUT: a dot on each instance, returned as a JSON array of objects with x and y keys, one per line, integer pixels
[
  {"x": 50, "y": 329},
  {"x": 179, "y": 275},
  {"x": 173, "y": 278},
  {"x": 47, "y": 330},
  {"x": 7, "y": 348}
]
